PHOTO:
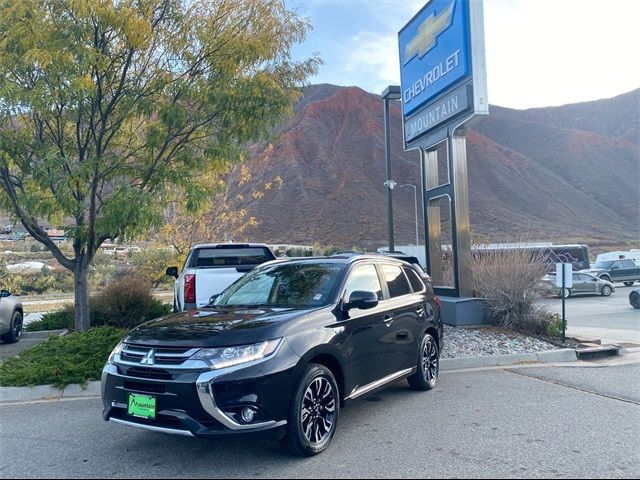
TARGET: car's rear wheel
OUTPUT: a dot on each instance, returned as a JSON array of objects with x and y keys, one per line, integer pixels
[
  {"x": 565, "y": 293},
  {"x": 628, "y": 284},
  {"x": 634, "y": 300},
  {"x": 606, "y": 290},
  {"x": 15, "y": 333},
  {"x": 313, "y": 414},
  {"x": 426, "y": 376}
]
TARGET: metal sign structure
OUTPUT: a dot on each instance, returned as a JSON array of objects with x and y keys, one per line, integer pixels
[{"x": 443, "y": 88}]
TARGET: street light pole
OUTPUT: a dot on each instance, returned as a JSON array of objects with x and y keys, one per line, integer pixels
[
  {"x": 415, "y": 205},
  {"x": 392, "y": 92}
]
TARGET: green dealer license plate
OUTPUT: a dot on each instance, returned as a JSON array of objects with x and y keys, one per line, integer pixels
[{"x": 142, "y": 406}]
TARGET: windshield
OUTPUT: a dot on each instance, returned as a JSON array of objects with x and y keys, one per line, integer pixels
[
  {"x": 298, "y": 285},
  {"x": 603, "y": 265}
]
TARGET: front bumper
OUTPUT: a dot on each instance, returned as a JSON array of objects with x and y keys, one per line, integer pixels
[{"x": 205, "y": 402}]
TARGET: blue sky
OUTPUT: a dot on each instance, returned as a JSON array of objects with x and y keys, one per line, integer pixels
[{"x": 539, "y": 52}]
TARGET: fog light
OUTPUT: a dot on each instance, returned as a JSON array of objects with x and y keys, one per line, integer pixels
[{"x": 247, "y": 415}]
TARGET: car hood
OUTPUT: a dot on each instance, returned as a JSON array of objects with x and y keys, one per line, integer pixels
[
  {"x": 593, "y": 271},
  {"x": 215, "y": 327}
]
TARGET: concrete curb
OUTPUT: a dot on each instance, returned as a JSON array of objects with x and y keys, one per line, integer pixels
[
  {"x": 550, "y": 356},
  {"x": 47, "y": 392},
  {"x": 92, "y": 389}
]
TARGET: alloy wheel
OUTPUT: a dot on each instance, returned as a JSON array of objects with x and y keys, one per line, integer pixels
[
  {"x": 429, "y": 360},
  {"x": 17, "y": 327},
  {"x": 318, "y": 412}
]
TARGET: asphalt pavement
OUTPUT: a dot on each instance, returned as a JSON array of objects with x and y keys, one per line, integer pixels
[
  {"x": 576, "y": 420},
  {"x": 611, "y": 319}
]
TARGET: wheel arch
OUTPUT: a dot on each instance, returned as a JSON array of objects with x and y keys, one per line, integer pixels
[{"x": 329, "y": 358}]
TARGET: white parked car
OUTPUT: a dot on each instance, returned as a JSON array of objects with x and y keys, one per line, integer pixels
[
  {"x": 211, "y": 268},
  {"x": 11, "y": 315}
]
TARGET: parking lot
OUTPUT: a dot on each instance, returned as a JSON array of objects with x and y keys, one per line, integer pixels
[
  {"x": 611, "y": 319},
  {"x": 575, "y": 421}
]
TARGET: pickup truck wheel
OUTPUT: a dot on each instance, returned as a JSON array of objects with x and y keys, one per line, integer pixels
[
  {"x": 628, "y": 284},
  {"x": 15, "y": 333},
  {"x": 606, "y": 277},
  {"x": 606, "y": 291}
]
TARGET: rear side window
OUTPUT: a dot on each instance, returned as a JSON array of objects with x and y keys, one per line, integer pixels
[
  {"x": 414, "y": 279},
  {"x": 230, "y": 257},
  {"x": 396, "y": 281},
  {"x": 627, "y": 264}
]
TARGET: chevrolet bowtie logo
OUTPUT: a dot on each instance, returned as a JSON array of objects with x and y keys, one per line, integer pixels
[
  {"x": 149, "y": 358},
  {"x": 428, "y": 32}
]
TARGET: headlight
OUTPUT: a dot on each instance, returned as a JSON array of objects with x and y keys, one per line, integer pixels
[
  {"x": 115, "y": 351},
  {"x": 225, "y": 357}
]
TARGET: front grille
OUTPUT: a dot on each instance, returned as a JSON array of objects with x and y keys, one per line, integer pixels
[
  {"x": 144, "y": 387},
  {"x": 142, "y": 372},
  {"x": 159, "y": 356}
]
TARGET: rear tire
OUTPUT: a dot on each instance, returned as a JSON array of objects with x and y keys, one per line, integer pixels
[
  {"x": 628, "y": 284},
  {"x": 634, "y": 300},
  {"x": 313, "y": 414},
  {"x": 426, "y": 377},
  {"x": 565, "y": 293},
  {"x": 15, "y": 333},
  {"x": 606, "y": 291}
]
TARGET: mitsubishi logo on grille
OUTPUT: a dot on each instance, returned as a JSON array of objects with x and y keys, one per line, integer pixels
[{"x": 149, "y": 358}]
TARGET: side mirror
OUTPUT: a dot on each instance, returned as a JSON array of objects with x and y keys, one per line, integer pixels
[
  {"x": 5, "y": 293},
  {"x": 213, "y": 298},
  {"x": 172, "y": 272},
  {"x": 362, "y": 299}
]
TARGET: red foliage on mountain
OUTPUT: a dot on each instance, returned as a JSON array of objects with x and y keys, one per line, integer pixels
[{"x": 555, "y": 174}]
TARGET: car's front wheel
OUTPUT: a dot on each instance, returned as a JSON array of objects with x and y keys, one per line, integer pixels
[
  {"x": 565, "y": 293},
  {"x": 15, "y": 333},
  {"x": 313, "y": 414},
  {"x": 628, "y": 284},
  {"x": 428, "y": 366},
  {"x": 606, "y": 291}
]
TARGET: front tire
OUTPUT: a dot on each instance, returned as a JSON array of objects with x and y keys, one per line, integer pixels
[
  {"x": 313, "y": 414},
  {"x": 15, "y": 332},
  {"x": 606, "y": 291},
  {"x": 565, "y": 293},
  {"x": 628, "y": 284},
  {"x": 426, "y": 377}
]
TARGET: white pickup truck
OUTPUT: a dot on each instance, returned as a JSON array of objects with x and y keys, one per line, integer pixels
[{"x": 211, "y": 268}]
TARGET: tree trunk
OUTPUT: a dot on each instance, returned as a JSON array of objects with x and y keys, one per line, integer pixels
[{"x": 81, "y": 291}]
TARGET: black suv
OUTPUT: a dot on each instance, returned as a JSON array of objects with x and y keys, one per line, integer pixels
[{"x": 279, "y": 352}]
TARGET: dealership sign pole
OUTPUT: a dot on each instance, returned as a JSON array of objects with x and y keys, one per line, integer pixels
[{"x": 444, "y": 88}]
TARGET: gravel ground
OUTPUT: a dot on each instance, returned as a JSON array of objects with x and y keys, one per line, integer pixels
[{"x": 482, "y": 342}]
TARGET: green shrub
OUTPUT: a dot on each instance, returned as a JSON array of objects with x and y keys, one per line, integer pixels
[
  {"x": 57, "y": 320},
  {"x": 59, "y": 361},
  {"x": 555, "y": 327},
  {"x": 126, "y": 303}
]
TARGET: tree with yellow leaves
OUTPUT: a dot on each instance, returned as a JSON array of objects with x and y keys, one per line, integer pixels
[{"x": 111, "y": 108}]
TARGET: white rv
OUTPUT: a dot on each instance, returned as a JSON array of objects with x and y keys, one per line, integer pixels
[{"x": 633, "y": 254}]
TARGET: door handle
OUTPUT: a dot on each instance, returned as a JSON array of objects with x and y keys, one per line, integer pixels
[
  {"x": 420, "y": 311},
  {"x": 388, "y": 320}
]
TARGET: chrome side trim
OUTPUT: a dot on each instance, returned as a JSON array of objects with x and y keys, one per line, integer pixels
[
  {"x": 173, "y": 431},
  {"x": 208, "y": 401},
  {"x": 358, "y": 392}
]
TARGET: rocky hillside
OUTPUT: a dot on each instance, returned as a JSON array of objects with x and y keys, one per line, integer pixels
[{"x": 569, "y": 173}]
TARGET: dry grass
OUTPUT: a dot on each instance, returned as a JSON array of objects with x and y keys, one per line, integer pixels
[{"x": 508, "y": 280}]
